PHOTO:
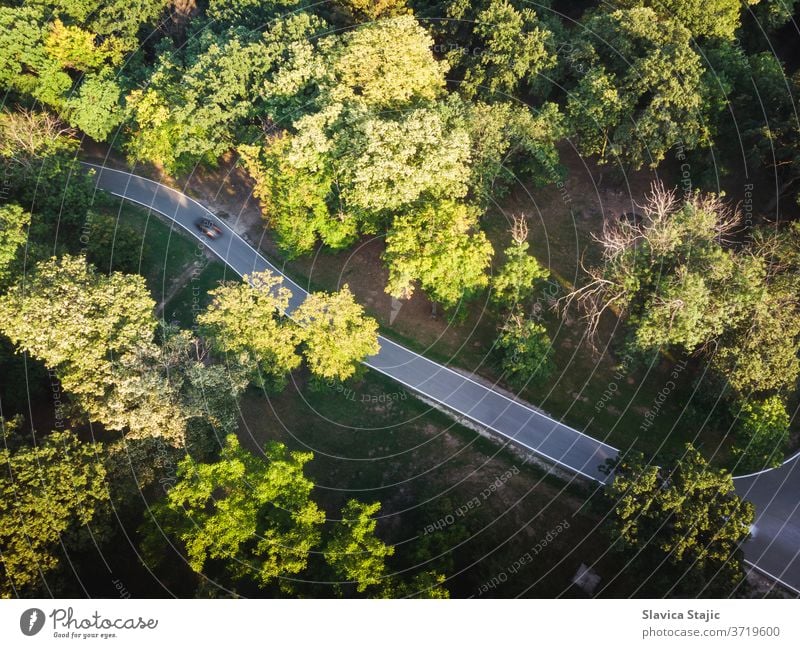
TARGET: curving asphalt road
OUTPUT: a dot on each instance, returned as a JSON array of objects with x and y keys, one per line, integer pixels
[
  {"x": 556, "y": 442},
  {"x": 775, "y": 546}
]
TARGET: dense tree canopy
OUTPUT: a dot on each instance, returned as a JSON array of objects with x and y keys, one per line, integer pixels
[
  {"x": 200, "y": 98},
  {"x": 685, "y": 519},
  {"x": 683, "y": 283},
  {"x": 439, "y": 246},
  {"x": 354, "y": 552},
  {"x": 48, "y": 492},
  {"x": 96, "y": 333},
  {"x": 13, "y": 232},
  {"x": 509, "y": 47},
  {"x": 254, "y": 514},
  {"x": 715, "y": 18},
  {"x": 383, "y": 64},
  {"x": 643, "y": 91}
]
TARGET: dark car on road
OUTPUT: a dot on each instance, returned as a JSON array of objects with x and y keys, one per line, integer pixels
[{"x": 208, "y": 228}]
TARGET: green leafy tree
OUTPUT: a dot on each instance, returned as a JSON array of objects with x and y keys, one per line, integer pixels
[
  {"x": 686, "y": 516},
  {"x": 293, "y": 197},
  {"x": 761, "y": 355},
  {"x": 762, "y": 434},
  {"x": 245, "y": 319},
  {"x": 253, "y": 14},
  {"x": 96, "y": 109},
  {"x": 48, "y": 493},
  {"x": 672, "y": 275},
  {"x": 384, "y": 64},
  {"x": 526, "y": 351},
  {"x": 425, "y": 585},
  {"x": 253, "y": 514},
  {"x": 437, "y": 245},
  {"x": 517, "y": 278},
  {"x": 509, "y": 142},
  {"x": 711, "y": 18},
  {"x": 68, "y": 58},
  {"x": 354, "y": 552},
  {"x": 42, "y": 175},
  {"x": 336, "y": 334},
  {"x": 631, "y": 103},
  {"x": 363, "y": 10},
  {"x": 121, "y": 19},
  {"x": 199, "y": 101},
  {"x": 508, "y": 48},
  {"x": 387, "y": 163},
  {"x": 14, "y": 223}
]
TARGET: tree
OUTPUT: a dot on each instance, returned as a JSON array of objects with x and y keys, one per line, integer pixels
[
  {"x": 509, "y": 142},
  {"x": 293, "y": 197},
  {"x": 384, "y": 64},
  {"x": 112, "y": 244},
  {"x": 77, "y": 321},
  {"x": 14, "y": 223},
  {"x": 96, "y": 333},
  {"x": 48, "y": 493},
  {"x": 354, "y": 552},
  {"x": 199, "y": 101},
  {"x": 253, "y": 514},
  {"x": 335, "y": 333},
  {"x": 684, "y": 524},
  {"x": 437, "y": 244},
  {"x": 508, "y": 48},
  {"x": 517, "y": 278},
  {"x": 762, "y": 434},
  {"x": 366, "y": 10},
  {"x": 630, "y": 103},
  {"x": 425, "y": 585},
  {"x": 43, "y": 176},
  {"x": 526, "y": 351},
  {"x": 386, "y": 162},
  {"x": 761, "y": 355},
  {"x": 66, "y": 56},
  {"x": 671, "y": 274},
  {"x": 714, "y": 18},
  {"x": 254, "y": 14},
  {"x": 96, "y": 108},
  {"x": 246, "y": 320}
]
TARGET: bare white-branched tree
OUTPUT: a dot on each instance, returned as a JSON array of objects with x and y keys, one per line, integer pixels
[
  {"x": 656, "y": 233},
  {"x": 24, "y": 134}
]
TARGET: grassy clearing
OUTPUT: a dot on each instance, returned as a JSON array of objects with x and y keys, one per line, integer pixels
[
  {"x": 164, "y": 251},
  {"x": 374, "y": 442},
  {"x": 192, "y": 297}
]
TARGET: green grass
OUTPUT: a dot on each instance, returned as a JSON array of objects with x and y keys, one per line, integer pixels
[
  {"x": 193, "y": 296},
  {"x": 374, "y": 442},
  {"x": 165, "y": 251}
]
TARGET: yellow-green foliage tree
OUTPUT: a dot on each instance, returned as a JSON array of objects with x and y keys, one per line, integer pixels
[
  {"x": 336, "y": 334},
  {"x": 95, "y": 332},
  {"x": 48, "y": 492},
  {"x": 440, "y": 246},
  {"x": 245, "y": 321},
  {"x": 255, "y": 514}
]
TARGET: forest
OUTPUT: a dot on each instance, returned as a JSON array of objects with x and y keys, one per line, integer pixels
[{"x": 418, "y": 128}]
